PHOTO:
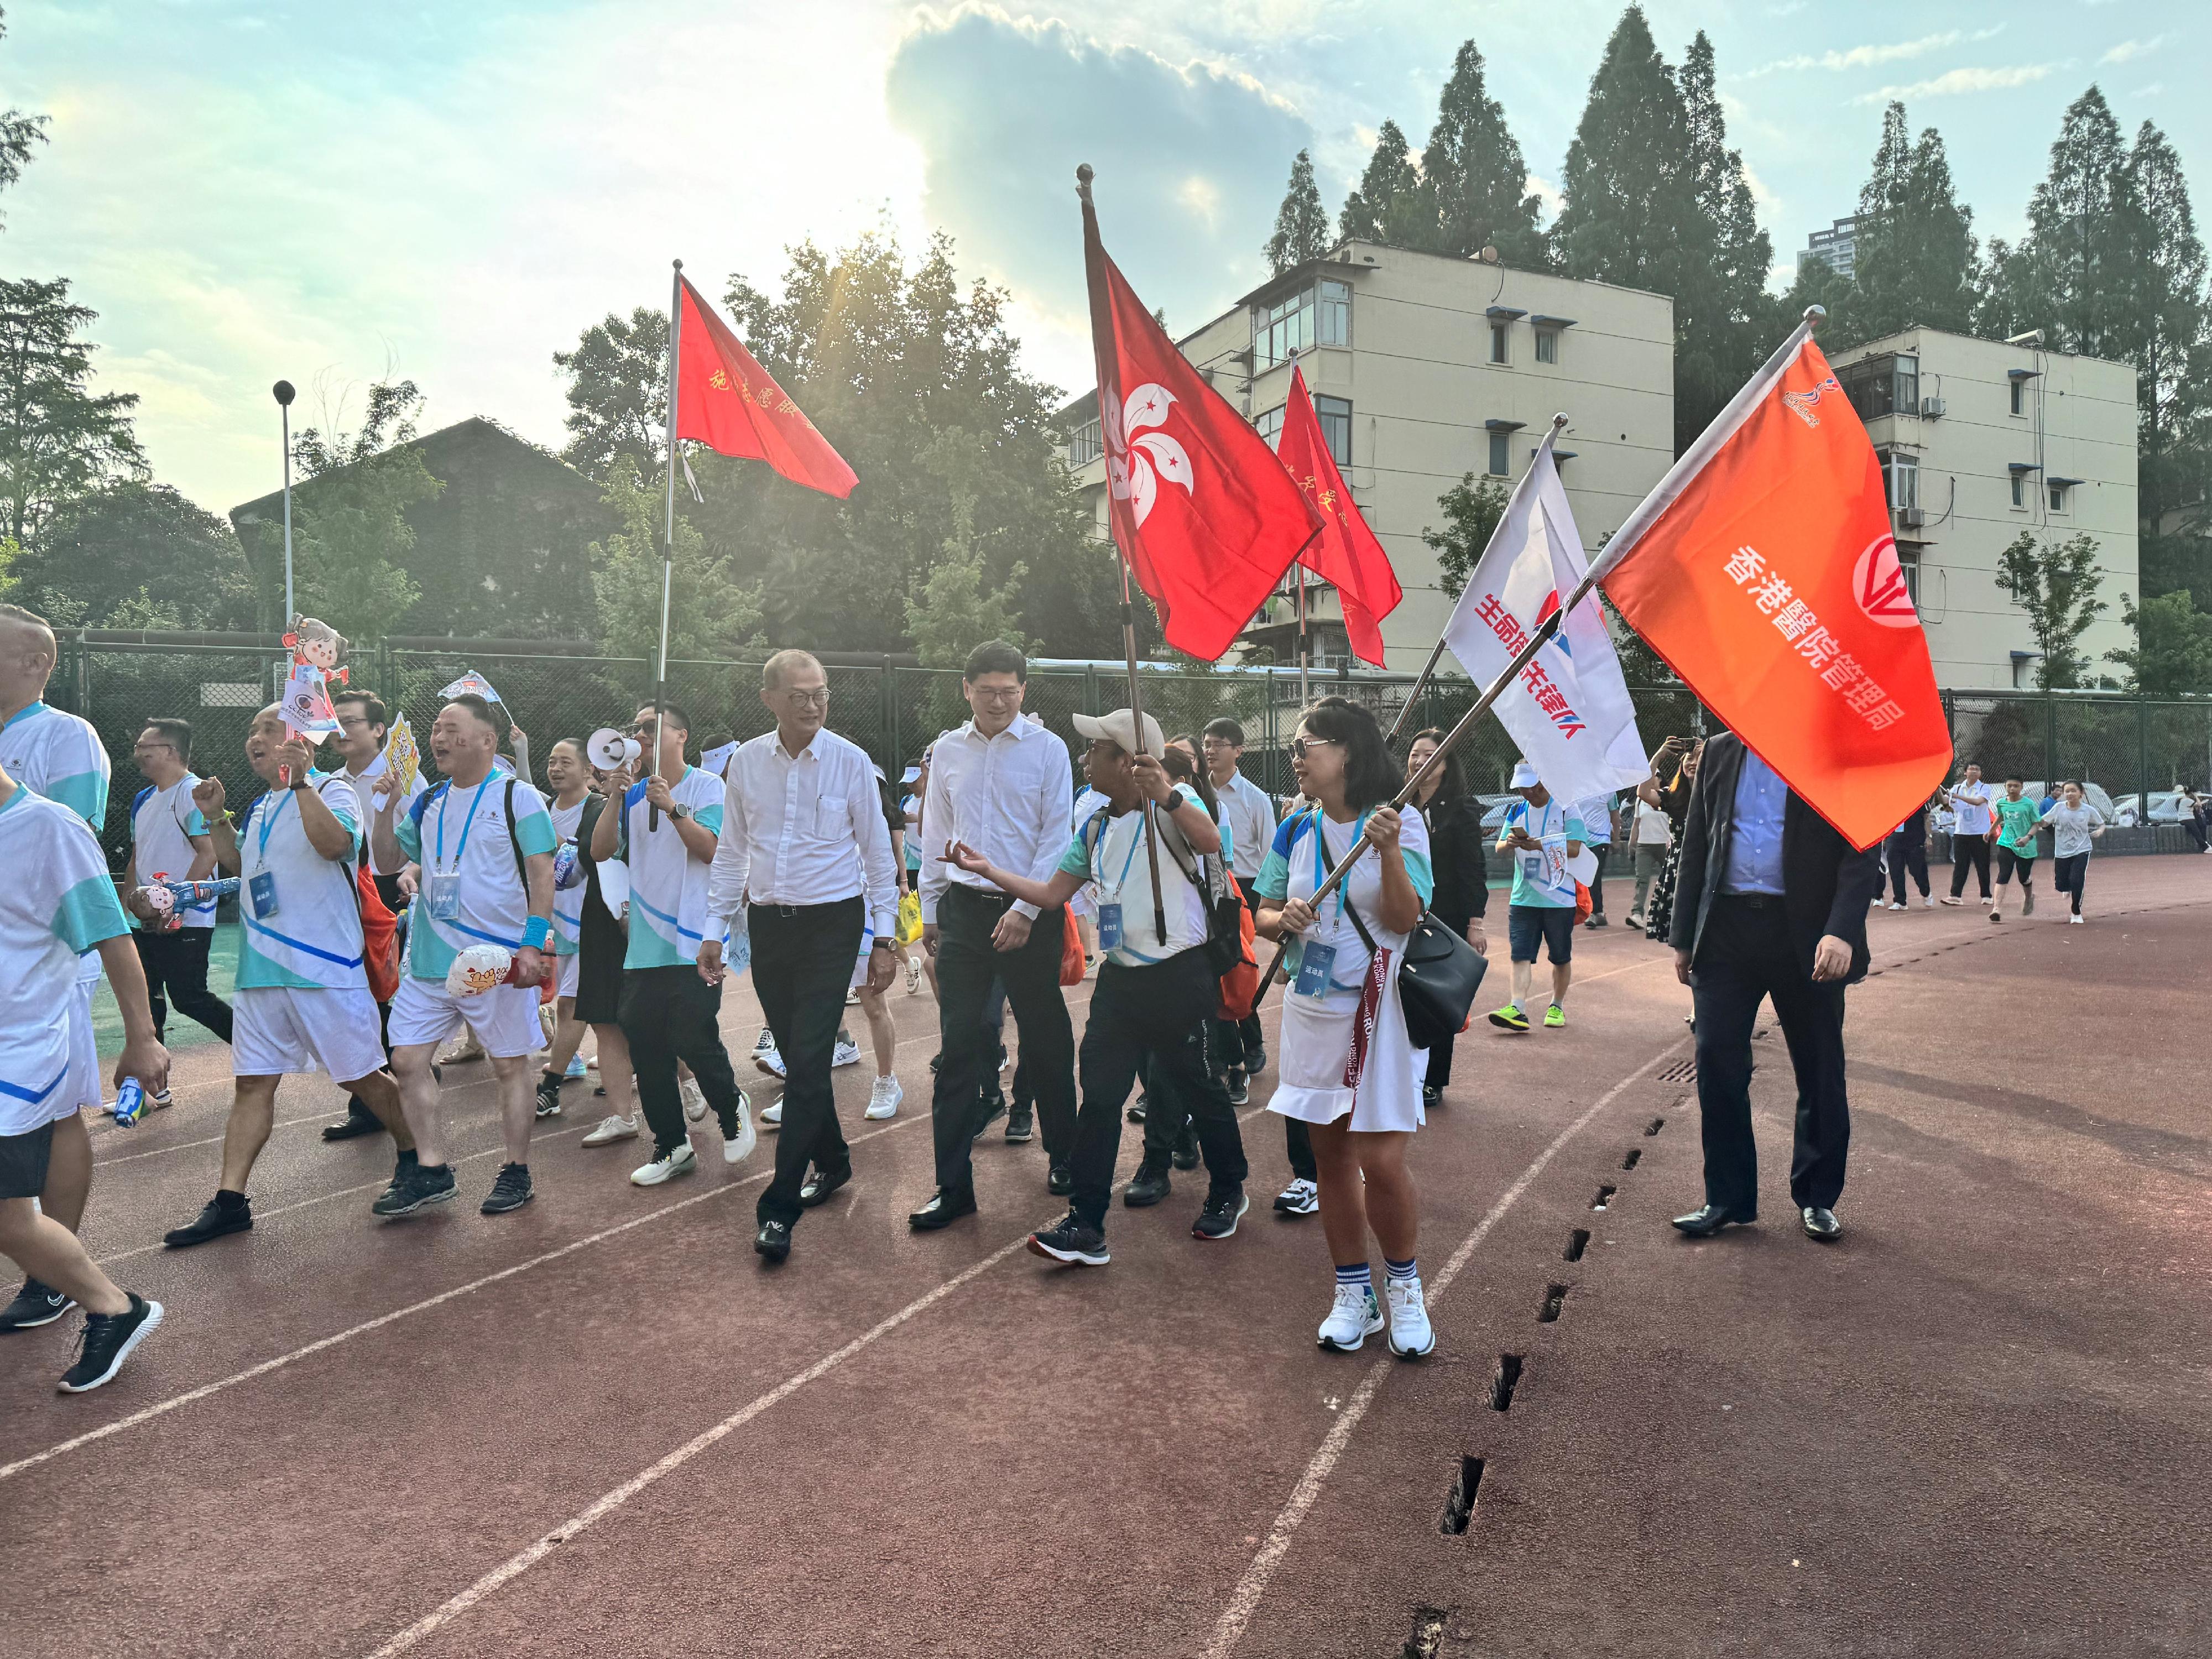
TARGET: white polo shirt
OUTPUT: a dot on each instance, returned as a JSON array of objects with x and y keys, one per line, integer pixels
[
  {"x": 162, "y": 823},
  {"x": 57, "y": 903},
  {"x": 312, "y": 941}
]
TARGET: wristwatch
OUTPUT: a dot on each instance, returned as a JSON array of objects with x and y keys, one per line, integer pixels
[{"x": 679, "y": 812}]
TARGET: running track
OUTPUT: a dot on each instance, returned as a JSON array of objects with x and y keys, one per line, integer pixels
[{"x": 597, "y": 1427}]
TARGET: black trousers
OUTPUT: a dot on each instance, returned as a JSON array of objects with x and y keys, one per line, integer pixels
[
  {"x": 1745, "y": 958},
  {"x": 176, "y": 965},
  {"x": 1969, "y": 853},
  {"x": 2071, "y": 871},
  {"x": 802, "y": 964},
  {"x": 1601, "y": 851},
  {"x": 967, "y": 964},
  {"x": 1161, "y": 1010},
  {"x": 1907, "y": 850},
  {"x": 669, "y": 1014}
]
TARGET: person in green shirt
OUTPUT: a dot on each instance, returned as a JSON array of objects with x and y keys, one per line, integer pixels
[{"x": 2014, "y": 828}]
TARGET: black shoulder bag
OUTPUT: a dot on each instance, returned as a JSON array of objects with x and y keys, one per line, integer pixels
[{"x": 1439, "y": 976}]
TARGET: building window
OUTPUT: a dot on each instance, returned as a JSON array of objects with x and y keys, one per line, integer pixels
[
  {"x": 1086, "y": 446},
  {"x": 1882, "y": 385},
  {"x": 2019, "y": 397},
  {"x": 2058, "y": 498},
  {"x": 1547, "y": 345},
  {"x": 1501, "y": 454},
  {"x": 2019, "y": 489},
  {"x": 1335, "y": 416},
  {"x": 1270, "y": 425},
  {"x": 1497, "y": 353},
  {"x": 1900, "y": 472},
  {"x": 1319, "y": 314},
  {"x": 1908, "y": 565}
]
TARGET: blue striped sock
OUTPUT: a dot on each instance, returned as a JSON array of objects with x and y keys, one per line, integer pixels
[
  {"x": 1358, "y": 1274},
  {"x": 1400, "y": 1269}
]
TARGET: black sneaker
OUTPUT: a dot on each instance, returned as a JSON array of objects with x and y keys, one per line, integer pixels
[
  {"x": 510, "y": 1192},
  {"x": 1070, "y": 1242},
  {"x": 1240, "y": 1087},
  {"x": 1185, "y": 1156},
  {"x": 358, "y": 1121},
  {"x": 1431, "y": 1097},
  {"x": 1147, "y": 1187},
  {"x": 214, "y": 1220},
  {"x": 1219, "y": 1216},
  {"x": 106, "y": 1342},
  {"x": 1256, "y": 1062},
  {"x": 549, "y": 1095},
  {"x": 1059, "y": 1181},
  {"x": 34, "y": 1305},
  {"x": 1021, "y": 1123},
  {"x": 413, "y": 1187},
  {"x": 994, "y": 1108},
  {"x": 1136, "y": 1112}
]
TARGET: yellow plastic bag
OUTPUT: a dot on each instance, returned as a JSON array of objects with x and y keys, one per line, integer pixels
[{"x": 909, "y": 918}]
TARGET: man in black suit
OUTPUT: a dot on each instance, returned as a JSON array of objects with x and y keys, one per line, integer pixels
[{"x": 1770, "y": 902}]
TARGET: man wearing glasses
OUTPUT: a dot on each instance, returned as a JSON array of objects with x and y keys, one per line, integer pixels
[
  {"x": 1000, "y": 785},
  {"x": 169, "y": 837},
  {"x": 804, "y": 865}
]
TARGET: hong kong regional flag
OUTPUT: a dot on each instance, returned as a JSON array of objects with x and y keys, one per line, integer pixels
[
  {"x": 1345, "y": 553},
  {"x": 1763, "y": 569},
  {"x": 1203, "y": 512},
  {"x": 729, "y": 403}
]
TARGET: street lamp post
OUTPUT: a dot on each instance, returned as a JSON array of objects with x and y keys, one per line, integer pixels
[{"x": 283, "y": 394}]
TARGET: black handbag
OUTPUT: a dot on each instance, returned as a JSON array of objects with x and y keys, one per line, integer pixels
[{"x": 1439, "y": 976}]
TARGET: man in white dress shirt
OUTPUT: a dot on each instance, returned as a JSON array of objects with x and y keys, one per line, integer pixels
[
  {"x": 363, "y": 724},
  {"x": 1241, "y": 1046},
  {"x": 1000, "y": 784},
  {"x": 804, "y": 863}
]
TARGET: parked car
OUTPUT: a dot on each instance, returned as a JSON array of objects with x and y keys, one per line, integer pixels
[
  {"x": 2167, "y": 806},
  {"x": 2034, "y": 789}
]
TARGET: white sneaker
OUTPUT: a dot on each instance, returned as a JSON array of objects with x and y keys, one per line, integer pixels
[
  {"x": 769, "y": 1061},
  {"x": 773, "y": 1115},
  {"x": 847, "y": 1053},
  {"x": 1895, "y": 906},
  {"x": 575, "y": 1074},
  {"x": 853, "y": 998},
  {"x": 1928, "y": 904},
  {"x": 681, "y": 1160},
  {"x": 613, "y": 1127},
  {"x": 1353, "y": 1318},
  {"x": 913, "y": 977},
  {"x": 2076, "y": 920},
  {"x": 738, "y": 1147},
  {"x": 1301, "y": 1197},
  {"x": 466, "y": 1049},
  {"x": 1412, "y": 1336},
  {"x": 884, "y": 1097},
  {"x": 695, "y": 1102},
  {"x": 765, "y": 1043}
]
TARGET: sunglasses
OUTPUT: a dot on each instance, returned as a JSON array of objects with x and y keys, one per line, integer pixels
[{"x": 1299, "y": 746}]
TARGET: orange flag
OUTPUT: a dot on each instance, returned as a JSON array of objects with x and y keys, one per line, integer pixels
[
  {"x": 728, "y": 402},
  {"x": 1345, "y": 553},
  {"x": 1763, "y": 569}
]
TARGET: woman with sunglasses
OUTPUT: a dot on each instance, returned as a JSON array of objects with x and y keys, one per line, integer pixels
[{"x": 1348, "y": 1070}]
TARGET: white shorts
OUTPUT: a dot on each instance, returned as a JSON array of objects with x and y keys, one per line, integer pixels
[
  {"x": 504, "y": 1018},
  {"x": 279, "y": 1030},
  {"x": 81, "y": 1087},
  {"x": 570, "y": 967}
]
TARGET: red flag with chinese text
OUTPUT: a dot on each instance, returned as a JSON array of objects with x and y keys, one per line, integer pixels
[
  {"x": 1763, "y": 569},
  {"x": 1345, "y": 554},
  {"x": 728, "y": 402},
  {"x": 1203, "y": 512}
]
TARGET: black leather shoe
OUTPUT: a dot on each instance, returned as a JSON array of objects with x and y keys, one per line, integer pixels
[
  {"x": 942, "y": 1211},
  {"x": 1185, "y": 1156},
  {"x": 1709, "y": 1218},
  {"x": 1059, "y": 1181},
  {"x": 821, "y": 1183},
  {"x": 994, "y": 1108},
  {"x": 217, "y": 1220},
  {"x": 1136, "y": 1112},
  {"x": 1821, "y": 1224},
  {"x": 359, "y": 1122},
  {"x": 1146, "y": 1187},
  {"x": 773, "y": 1241}
]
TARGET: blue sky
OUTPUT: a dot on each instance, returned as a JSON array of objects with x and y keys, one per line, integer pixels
[{"x": 247, "y": 189}]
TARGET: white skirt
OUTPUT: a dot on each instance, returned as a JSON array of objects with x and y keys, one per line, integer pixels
[{"x": 1316, "y": 1056}]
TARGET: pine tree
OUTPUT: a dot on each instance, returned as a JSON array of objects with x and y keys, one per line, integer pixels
[
  {"x": 1387, "y": 206},
  {"x": 1915, "y": 259},
  {"x": 1301, "y": 223},
  {"x": 1723, "y": 321},
  {"x": 1473, "y": 176},
  {"x": 1625, "y": 194},
  {"x": 2169, "y": 329},
  {"x": 2071, "y": 275}
]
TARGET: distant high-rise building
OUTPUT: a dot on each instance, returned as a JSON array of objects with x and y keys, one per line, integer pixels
[{"x": 1834, "y": 247}]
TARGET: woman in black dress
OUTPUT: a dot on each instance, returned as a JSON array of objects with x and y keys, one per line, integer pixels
[
  {"x": 1676, "y": 762},
  {"x": 1457, "y": 859},
  {"x": 601, "y": 944}
]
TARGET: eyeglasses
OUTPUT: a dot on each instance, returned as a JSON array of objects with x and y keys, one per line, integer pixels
[
  {"x": 1299, "y": 746},
  {"x": 148, "y": 748},
  {"x": 995, "y": 693},
  {"x": 807, "y": 699}
]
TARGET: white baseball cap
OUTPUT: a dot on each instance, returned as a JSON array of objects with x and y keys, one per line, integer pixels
[
  {"x": 1121, "y": 726},
  {"x": 1524, "y": 776}
]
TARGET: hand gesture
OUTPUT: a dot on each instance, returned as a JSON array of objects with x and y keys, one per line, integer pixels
[
  {"x": 710, "y": 962},
  {"x": 1831, "y": 959},
  {"x": 208, "y": 796},
  {"x": 959, "y": 852},
  {"x": 1298, "y": 916},
  {"x": 529, "y": 966},
  {"x": 1152, "y": 779},
  {"x": 1518, "y": 837},
  {"x": 656, "y": 792},
  {"x": 613, "y": 783},
  {"x": 1383, "y": 828},
  {"x": 295, "y": 759},
  {"x": 515, "y": 735},
  {"x": 409, "y": 880}
]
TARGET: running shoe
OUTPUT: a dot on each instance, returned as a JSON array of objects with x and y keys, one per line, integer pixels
[
  {"x": 913, "y": 977},
  {"x": 1996, "y": 915},
  {"x": 765, "y": 1043},
  {"x": 1301, "y": 1197},
  {"x": 1147, "y": 1187},
  {"x": 1894, "y": 905},
  {"x": 215, "y": 1219},
  {"x": 1136, "y": 1112},
  {"x": 612, "y": 1127},
  {"x": 1928, "y": 904},
  {"x": 853, "y": 997},
  {"x": 1431, "y": 1097},
  {"x": 737, "y": 1143},
  {"x": 1021, "y": 1123},
  {"x": 1555, "y": 1017},
  {"x": 769, "y": 1061},
  {"x": 106, "y": 1341},
  {"x": 994, "y": 1108},
  {"x": 1509, "y": 1018},
  {"x": 511, "y": 1191},
  {"x": 1412, "y": 1336},
  {"x": 678, "y": 1160},
  {"x": 1185, "y": 1155},
  {"x": 466, "y": 1049},
  {"x": 1223, "y": 1211},
  {"x": 847, "y": 1053},
  {"x": 2076, "y": 922},
  {"x": 1069, "y": 1242},
  {"x": 1256, "y": 1062},
  {"x": 884, "y": 1098},
  {"x": 413, "y": 1187},
  {"x": 548, "y": 1096},
  {"x": 34, "y": 1305},
  {"x": 1240, "y": 1087},
  {"x": 695, "y": 1102},
  {"x": 577, "y": 1071},
  {"x": 772, "y": 1115},
  {"x": 1353, "y": 1317},
  {"x": 1952, "y": 900}
]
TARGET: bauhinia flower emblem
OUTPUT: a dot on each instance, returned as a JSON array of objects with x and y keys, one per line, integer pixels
[{"x": 1135, "y": 465}]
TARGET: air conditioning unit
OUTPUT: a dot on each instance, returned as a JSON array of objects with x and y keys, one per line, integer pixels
[
  {"x": 1912, "y": 517},
  {"x": 1931, "y": 408}
]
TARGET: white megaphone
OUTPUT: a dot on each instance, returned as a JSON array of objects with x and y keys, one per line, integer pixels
[{"x": 609, "y": 748}]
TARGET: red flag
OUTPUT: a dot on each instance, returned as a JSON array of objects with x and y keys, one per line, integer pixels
[
  {"x": 1345, "y": 553},
  {"x": 729, "y": 403},
  {"x": 1763, "y": 569},
  {"x": 1200, "y": 507}
]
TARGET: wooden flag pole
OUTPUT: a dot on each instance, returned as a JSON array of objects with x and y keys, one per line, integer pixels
[{"x": 667, "y": 530}]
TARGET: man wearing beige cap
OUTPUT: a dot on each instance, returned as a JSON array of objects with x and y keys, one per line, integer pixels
[{"x": 1158, "y": 986}]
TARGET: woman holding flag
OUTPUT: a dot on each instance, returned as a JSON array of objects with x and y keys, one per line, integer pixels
[{"x": 1348, "y": 1070}]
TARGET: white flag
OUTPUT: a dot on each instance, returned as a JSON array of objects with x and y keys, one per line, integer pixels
[
  {"x": 474, "y": 682},
  {"x": 1569, "y": 710}
]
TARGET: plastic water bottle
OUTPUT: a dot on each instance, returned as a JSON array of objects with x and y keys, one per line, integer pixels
[{"x": 130, "y": 1103}]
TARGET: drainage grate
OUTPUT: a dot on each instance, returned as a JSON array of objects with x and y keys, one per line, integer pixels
[
  {"x": 1631, "y": 1157},
  {"x": 1503, "y": 1380},
  {"x": 1555, "y": 1297},
  {"x": 1682, "y": 1071},
  {"x": 1577, "y": 1242},
  {"x": 1604, "y": 1196},
  {"x": 1459, "y": 1510}
]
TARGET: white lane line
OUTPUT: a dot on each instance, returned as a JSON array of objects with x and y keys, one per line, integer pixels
[{"x": 1229, "y": 1629}]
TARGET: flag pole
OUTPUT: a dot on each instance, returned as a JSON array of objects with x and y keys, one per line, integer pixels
[
  {"x": 1405, "y": 713},
  {"x": 1110, "y": 420},
  {"x": 1457, "y": 735},
  {"x": 667, "y": 527}
]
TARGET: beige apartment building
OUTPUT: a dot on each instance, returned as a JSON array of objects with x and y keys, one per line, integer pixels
[
  {"x": 1981, "y": 440},
  {"x": 1425, "y": 368}
]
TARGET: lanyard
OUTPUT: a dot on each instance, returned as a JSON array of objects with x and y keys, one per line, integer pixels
[
  {"x": 462, "y": 851},
  {"x": 1320, "y": 829},
  {"x": 269, "y": 822},
  {"x": 1113, "y": 894}
]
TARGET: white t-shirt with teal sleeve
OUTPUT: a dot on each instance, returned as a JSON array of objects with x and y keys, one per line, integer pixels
[
  {"x": 667, "y": 885},
  {"x": 1294, "y": 868},
  {"x": 57, "y": 905},
  {"x": 59, "y": 755},
  {"x": 1111, "y": 852},
  {"x": 1541, "y": 878},
  {"x": 311, "y": 941},
  {"x": 465, "y": 832},
  {"x": 162, "y": 823}
]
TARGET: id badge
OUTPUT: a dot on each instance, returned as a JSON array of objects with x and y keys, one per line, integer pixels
[
  {"x": 1315, "y": 963},
  {"x": 442, "y": 893},
  {"x": 1531, "y": 867},
  {"x": 261, "y": 889},
  {"x": 1109, "y": 927}
]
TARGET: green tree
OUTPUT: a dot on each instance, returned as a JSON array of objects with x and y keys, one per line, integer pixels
[
  {"x": 955, "y": 609},
  {"x": 101, "y": 551},
  {"x": 59, "y": 438},
  {"x": 711, "y": 614},
  {"x": 1472, "y": 509},
  {"x": 1387, "y": 206},
  {"x": 1915, "y": 261},
  {"x": 617, "y": 393},
  {"x": 2073, "y": 274},
  {"x": 1474, "y": 175},
  {"x": 18, "y": 132},
  {"x": 1724, "y": 322},
  {"x": 350, "y": 534},
  {"x": 1301, "y": 223},
  {"x": 2055, "y": 583},
  {"x": 2172, "y": 653},
  {"x": 2170, "y": 335},
  {"x": 1625, "y": 198}
]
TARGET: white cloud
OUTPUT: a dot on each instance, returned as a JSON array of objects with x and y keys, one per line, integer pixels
[
  {"x": 1546, "y": 192},
  {"x": 1959, "y": 80},
  {"x": 2128, "y": 51},
  {"x": 1870, "y": 56}
]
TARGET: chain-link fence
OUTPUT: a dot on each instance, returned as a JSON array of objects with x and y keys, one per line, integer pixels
[{"x": 2135, "y": 749}]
